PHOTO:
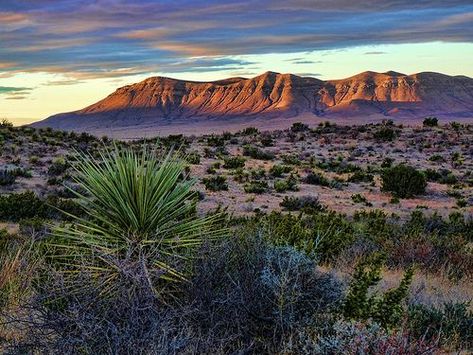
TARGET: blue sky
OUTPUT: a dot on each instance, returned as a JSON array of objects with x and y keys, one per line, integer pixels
[{"x": 61, "y": 55}]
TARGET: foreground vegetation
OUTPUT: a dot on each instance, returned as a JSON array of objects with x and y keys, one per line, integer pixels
[{"x": 121, "y": 260}]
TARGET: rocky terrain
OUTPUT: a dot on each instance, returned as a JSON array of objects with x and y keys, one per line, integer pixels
[{"x": 160, "y": 105}]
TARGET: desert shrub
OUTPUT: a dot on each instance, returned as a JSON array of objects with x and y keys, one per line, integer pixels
[
  {"x": 256, "y": 153},
  {"x": 403, "y": 181},
  {"x": 442, "y": 176},
  {"x": 299, "y": 127},
  {"x": 316, "y": 179},
  {"x": 7, "y": 178},
  {"x": 5, "y": 123},
  {"x": 387, "y": 163},
  {"x": 234, "y": 162},
  {"x": 304, "y": 203},
  {"x": 240, "y": 175},
  {"x": 250, "y": 131},
  {"x": 58, "y": 166},
  {"x": 215, "y": 183},
  {"x": 17, "y": 206},
  {"x": 387, "y": 310},
  {"x": 289, "y": 184},
  {"x": 367, "y": 338},
  {"x": 338, "y": 166},
  {"x": 245, "y": 294},
  {"x": 430, "y": 122},
  {"x": 216, "y": 141},
  {"x": 359, "y": 198},
  {"x": 291, "y": 159},
  {"x": 385, "y": 134},
  {"x": 436, "y": 157},
  {"x": 256, "y": 186},
  {"x": 266, "y": 140},
  {"x": 278, "y": 170},
  {"x": 450, "y": 325},
  {"x": 361, "y": 176},
  {"x": 323, "y": 235},
  {"x": 193, "y": 158},
  {"x": 139, "y": 209}
]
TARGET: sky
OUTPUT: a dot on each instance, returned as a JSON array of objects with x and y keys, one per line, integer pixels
[{"x": 62, "y": 55}]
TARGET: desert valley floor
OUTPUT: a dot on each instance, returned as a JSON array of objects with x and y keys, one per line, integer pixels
[{"x": 254, "y": 171}]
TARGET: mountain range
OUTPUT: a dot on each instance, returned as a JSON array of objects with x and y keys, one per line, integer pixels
[{"x": 160, "y": 102}]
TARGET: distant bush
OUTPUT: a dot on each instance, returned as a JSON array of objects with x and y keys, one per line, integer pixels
[
  {"x": 430, "y": 122},
  {"x": 278, "y": 170},
  {"x": 291, "y": 159},
  {"x": 249, "y": 131},
  {"x": 403, "y": 181},
  {"x": 289, "y": 184},
  {"x": 58, "y": 166},
  {"x": 385, "y": 134},
  {"x": 442, "y": 176},
  {"x": 215, "y": 183},
  {"x": 256, "y": 153},
  {"x": 7, "y": 178},
  {"x": 316, "y": 179},
  {"x": 266, "y": 140},
  {"x": 193, "y": 158},
  {"x": 234, "y": 162},
  {"x": 299, "y": 127},
  {"x": 305, "y": 203},
  {"x": 256, "y": 187},
  {"x": 361, "y": 176}
]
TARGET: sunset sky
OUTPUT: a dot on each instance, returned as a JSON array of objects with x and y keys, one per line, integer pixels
[{"x": 58, "y": 56}]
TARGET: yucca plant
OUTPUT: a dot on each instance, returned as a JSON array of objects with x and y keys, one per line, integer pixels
[{"x": 139, "y": 219}]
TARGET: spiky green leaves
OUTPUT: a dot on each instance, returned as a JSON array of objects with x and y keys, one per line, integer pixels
[{"x": 140, "y": 219}]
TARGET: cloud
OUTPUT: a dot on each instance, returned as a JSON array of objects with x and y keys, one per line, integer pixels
[
  {"x": 375, "y": 53},
  {"x": 308, "y": 74},
  {"x": 14, "y": 93},
  {"x": 9, "y": 90},
  {"x": 63, "y": 82},
  {"x": 87, "y": 39}
]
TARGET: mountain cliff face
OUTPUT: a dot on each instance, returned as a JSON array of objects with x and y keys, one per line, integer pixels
[{"x": 159, "y": 100}]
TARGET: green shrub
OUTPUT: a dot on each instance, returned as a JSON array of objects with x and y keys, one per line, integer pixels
[
  {"x": 385, "y": 134},
  {"x": 17, "y": 206},
  {"x": 430, "y": 122},
  {"x": 403, "y": 181},
  {"x": 256, "y": 187},
  {"x": 7, "y": 178},
  {"x": 256, "y": 153},
  {"x": 291, "y": 159},
  {"x": 278, "y": 170},
  {"x": 387, "y": 310},
  {"x": 215, "y": 183},
  {"x": 450, "y": 325},
  {"x": 58, "y": 166},
  {"x": 289, "y": 184},
  {"x": 316, "y": 179},
  {"x": 249, "y": 131},
  {"x": 307, "y": 204},
  {"x": 234, "y": 162},
  {"x": 323, "y": 235},
  {"x": 299, "y": 127},
  {"x": 193, "y": 158},
  {"x": 361, "y": 176}
]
